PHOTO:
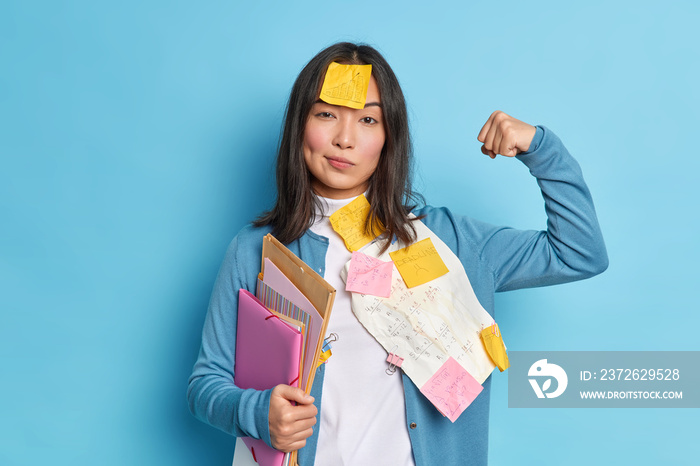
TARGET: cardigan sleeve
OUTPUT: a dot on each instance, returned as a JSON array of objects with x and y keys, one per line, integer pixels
[
  {"x": 212, "y": 395},
  {"x": 571, "y": 248}
]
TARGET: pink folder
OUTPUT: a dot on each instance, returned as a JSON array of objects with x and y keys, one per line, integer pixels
[{"x": 267, "y": 354}]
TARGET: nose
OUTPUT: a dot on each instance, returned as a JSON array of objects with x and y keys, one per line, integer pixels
[{"x": 344, "y": 137}]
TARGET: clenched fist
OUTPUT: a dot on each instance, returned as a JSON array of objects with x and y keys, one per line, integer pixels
[
  {"x": 505, "y": 135},
  {"x": 290, "y": 424}
]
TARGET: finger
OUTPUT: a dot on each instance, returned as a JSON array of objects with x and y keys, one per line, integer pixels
[
  {"x": 297, "y": 443},
  {"x": 304, "y": 424},
  {"x": 487, "y": 126},
  {"x": 293, "y": 436},
  {"x": 292, "y": 394},
  {"x": 304, "y": 412},
  {"x": 283, "y": 413},
  {"x": 488, "y": 141},
  {"x": 509, "y": 149},
  {"x": 508, "y": 142},
  {"x": 485, "y": 151},
  {"x": 497, "y": 139}
]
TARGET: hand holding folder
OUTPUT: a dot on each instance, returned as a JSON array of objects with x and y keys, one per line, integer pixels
[
  {"x": 280, "y": 346},
  {"x": 292, "y": 416}
]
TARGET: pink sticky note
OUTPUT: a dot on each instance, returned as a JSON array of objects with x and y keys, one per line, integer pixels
[
  {"x": 451, "y": 389},
  {"x": 368, "y": 275}
]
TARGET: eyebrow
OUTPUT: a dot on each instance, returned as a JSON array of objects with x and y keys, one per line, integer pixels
[{"x": 368, "y": 104}]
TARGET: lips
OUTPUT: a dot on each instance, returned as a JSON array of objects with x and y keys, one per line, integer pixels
[{"x": 339, "y": 162}]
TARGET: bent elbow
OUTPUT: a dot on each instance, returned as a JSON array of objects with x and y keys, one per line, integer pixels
[
  {"x": 601, "y": 265},
  {"x": 596, "y": 263}
]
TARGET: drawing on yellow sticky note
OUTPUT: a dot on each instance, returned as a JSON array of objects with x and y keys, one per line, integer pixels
[
  {"x": 495, "y": 348},
  {"x": 419, "y": 263},
  {"x": 349, "y": 222},
  {"x": 346, "y": 85}
]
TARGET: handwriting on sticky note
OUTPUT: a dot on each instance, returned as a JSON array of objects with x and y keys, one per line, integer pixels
[
  {"x": 349, "y": 222},
  {"x": 419, "y": 263},
  {"x": 451, "y": 389},
  {"x": 368, "y": 275},
  {"x": 495, "y": 348},
  {"x": 346, "y": 85}
]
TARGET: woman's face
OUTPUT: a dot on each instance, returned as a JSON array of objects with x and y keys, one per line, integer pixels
[{"x": 342, "y": 145}]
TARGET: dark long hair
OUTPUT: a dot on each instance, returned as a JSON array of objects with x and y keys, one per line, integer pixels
[{"x": 389, "y": 193}]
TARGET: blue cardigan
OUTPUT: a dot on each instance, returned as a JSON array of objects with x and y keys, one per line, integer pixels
[{"x": 495, "y": 259}]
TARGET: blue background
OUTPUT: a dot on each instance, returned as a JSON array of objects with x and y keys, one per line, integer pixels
[{"x": 136, "y": 138}]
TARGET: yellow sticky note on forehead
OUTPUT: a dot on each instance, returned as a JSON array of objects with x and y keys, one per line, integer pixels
[
  {"x": 419, "y": 263},
  {"x": 349, "y": 223},
  {"x": 346, "y": 85}
]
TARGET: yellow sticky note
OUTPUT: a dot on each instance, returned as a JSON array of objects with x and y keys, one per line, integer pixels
[
  {"x": 419, "y": 263},
  {"x": 495, "y": 348},
  {"x": 349, "y": 223},
  {"x": 346, "y": 85}
]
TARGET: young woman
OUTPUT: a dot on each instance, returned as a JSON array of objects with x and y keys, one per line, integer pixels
[{"x": 328, "y": 155}]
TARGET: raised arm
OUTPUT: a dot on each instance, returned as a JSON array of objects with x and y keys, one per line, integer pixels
[{"x": 572, "y": 247}]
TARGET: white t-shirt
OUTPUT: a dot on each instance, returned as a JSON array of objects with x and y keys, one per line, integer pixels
[{"x": 363, "y": 416}]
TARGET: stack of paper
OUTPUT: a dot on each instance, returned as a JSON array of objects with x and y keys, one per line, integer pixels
[{"x": 280, "y": 332}]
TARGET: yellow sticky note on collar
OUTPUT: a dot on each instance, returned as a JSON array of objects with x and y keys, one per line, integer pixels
[
  {"x": 496, "y": 349},
  {"x": 323, "y": 358},
  {"x": 346, "y": 85},
  {"x": 419, "y": 263},
  {"x": 349, "y": 223}
]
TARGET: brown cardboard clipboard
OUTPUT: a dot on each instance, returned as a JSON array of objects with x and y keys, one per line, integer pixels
[{"x": 318, "y": 291}]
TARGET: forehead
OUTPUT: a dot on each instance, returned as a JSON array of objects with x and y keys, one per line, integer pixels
[{"x": 373, "y": 94}]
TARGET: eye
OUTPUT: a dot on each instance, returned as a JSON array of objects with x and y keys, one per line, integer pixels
[
  {"x": 369, "y": 121},
  {"x": 324, "y": 115}
]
